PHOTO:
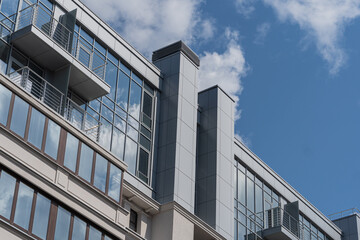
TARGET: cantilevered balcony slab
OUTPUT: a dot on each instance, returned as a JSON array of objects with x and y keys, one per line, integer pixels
[
  {"x": 278, "y": 233},
  {"x": 51, "y": 55}
]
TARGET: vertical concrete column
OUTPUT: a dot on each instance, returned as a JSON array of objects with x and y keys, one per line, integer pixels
[
  {"x": 176, "y": 157},
  {"x": 214, "y": 170}
]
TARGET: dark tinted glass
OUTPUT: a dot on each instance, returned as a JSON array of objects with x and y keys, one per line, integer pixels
[
  {"x": 143, "y": 165},
  {"x": 147, "y": 106}
]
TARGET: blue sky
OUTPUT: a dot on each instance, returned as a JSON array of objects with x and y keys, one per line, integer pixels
[{"x": 293, "y": 67}]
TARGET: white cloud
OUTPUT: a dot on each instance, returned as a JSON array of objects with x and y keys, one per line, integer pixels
[
  {"x": 262, "y": 31},
  {"x": 224, "y": 69},
  {"x": 245, "y": 140},
  {"x": 156, "y": 23},
  {"x": 245, "y": 7},
  {"x": 323, "y": 20}
]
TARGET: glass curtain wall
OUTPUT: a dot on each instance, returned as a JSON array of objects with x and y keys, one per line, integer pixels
[
  {"x": 252, "y": 198},
  {"x": 126, "y": 113}
]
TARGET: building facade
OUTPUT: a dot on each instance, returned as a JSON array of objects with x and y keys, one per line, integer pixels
[{"x": 97, "y": 142}]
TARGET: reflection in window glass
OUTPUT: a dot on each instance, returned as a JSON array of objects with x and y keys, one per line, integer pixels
[
  {"x": 123, "y": 90},
  {"x": 250, "y": 194},
  {"x": 94, "y": 234},
  {"x": 114, "y": 182},
  {"x": 36, "y": 128},
  {"x": 131, "y": 132},
  {"x": 86, "y": 160},
  {"x": 120, "y": 123},
  {"x": 118, "y": 142},
  {"x": 100, "y": 172},
  {"x": 259, "y": 199},
  {"x": 71, "y": 150},
  {"x": 105, "y": 133},
  {"x": 135, "y": 98},
  {"x": 107, "y": 238},
  {"x": 131, "y": 155},
  {"x": 7, "y": 188},
  {"x": 5, "y": 97},
  {"x": 137, "y": 79},
  {"x": 62, "y": 224},
  {"x": 111, "y": 76},
  {"x": 41, "y": 216},
  {"x": 4, "y": 56},
  {"x": 79, "y": 229},
  {"x": 241, "y": 187},
  {"x": 52, "y": 139},
  {"x": 145, "y": 142},
  {"x": 23, "y": 206},
  {"x": 9, "y": 7},
  {"x": 143, "y": 165},
  {"x": 19, "y": 116}
]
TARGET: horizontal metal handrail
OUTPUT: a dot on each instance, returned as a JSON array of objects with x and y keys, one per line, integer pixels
[
  {"x": 344, "y": 213},
  {"x": 279, "y": 217}
]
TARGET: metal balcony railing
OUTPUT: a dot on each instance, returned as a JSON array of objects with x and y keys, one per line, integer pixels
[
  {"x": 46, "y": 93},
  {"x": 7, "y": 25},
  {"x": 38, "y": 16},
  {"x": 278, "y": 217},
  {"x": 344, "y": 213}
]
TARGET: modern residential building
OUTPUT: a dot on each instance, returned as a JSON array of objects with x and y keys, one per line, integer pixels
[{"x": 97, "y": 142}]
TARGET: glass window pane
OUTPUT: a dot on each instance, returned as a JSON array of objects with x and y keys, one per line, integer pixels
[
  {"x": 258, "y": 199},
  {"x": 9, "y": 7},
  {"x": 120, "y": 123},
  {"x": 107, "y": 238},
  {"x": 112, "y": 58},
  {"x": 98, "y": 64},
  {"x": 241, "y": 232},
  {"x": 131, "y": 132},
  {"x": 86, "y": 162},
  {"x": 137, "y": 79},
  {"x": 5, "y": 97},
  {"x": 125, "y": 69},
  {"x": 4, "y": 56},
  {"x": 147, "y": 106},
  {"x": 101, "y": 165},
  {"x": 143, "y": 165},
  {"x": 107, "y": 113},
  {"x": 52, "y": 139},
  {"x": 48, "y": 4},
  {"x": 131, "y": 155},
  {"x": 114, "y": 182},
  {"x": 41, "y": 216},
  {"x": 122, "y": 93},
  {"x": 71, "y": 151},
  {"x": 36, "y": 128},
  {"x": 133, "y": 122},
  {"x": 100, "y": 47},
  {"x": 250, "y": 195},
  {"x": 23, "y": 206},
  {"x": 146, "y": 132},
  {"x": 84, "y": 56},
  {"x": 135, "y": 98},
  {"x": 19, "y": 116},
  {"x": 79, "y": 229},
  {"x": 95, "y": 104},
  {"x": 86, "y": 36},
  {"x": 111, "y": 76},
  {"x": 105, "y": 134},
  {"x": 241, "y": 187},
  {"x": 62, "y": 229},
  {"x": 145, "y": 142},
  {"x": 120, "y": 112},
  {"x": 94, "y": 234},
  {"x": 7, "y": 188},
  {"x": 118, "y": 142}
]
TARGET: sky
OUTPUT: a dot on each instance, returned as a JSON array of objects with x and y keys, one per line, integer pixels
[{"x": 292, "y": 66}]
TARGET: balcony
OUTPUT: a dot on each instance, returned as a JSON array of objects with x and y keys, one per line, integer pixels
[
  {"x": 280, "y": 225},
  {"x": 49, "y": 95},
  {"x": 49, "y": 43}
]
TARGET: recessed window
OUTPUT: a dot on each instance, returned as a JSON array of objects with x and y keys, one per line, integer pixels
[
  {"x": 7, "y": 188},
  {"x": 100, "y": 172},
  {"x": 23, "y": 206},
  {"x": 5, "y": 97},
  {"x": 52, "y": 139},
  {"x": 131, "y": 154},
  {"x": 133, "y": 220},
  {"x": 19, "y": 116},
  {"x": 71, "y": 151},
  {"x": 86, "y": 162},
  {"x": 114, "y": 182},
  {"x": 62, "y": 224},
  {"x": 41, "y": 216},
  {"x": 79, "y": 229},
  {"x": 36, "y": 128}
]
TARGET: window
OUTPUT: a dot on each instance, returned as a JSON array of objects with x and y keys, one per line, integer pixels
[
  {"x": 5, "y": 97},
  {"x": 123, "y": 90},
  {"x": 23, "y": 206},
  {"x": 19, "y": 116},
  {"x": 7, "y": 188},
  {"x": 62, "y": 224},
  {"x": 111, "y": 76},
  {"x": 41, "y": 216},
  {"x": 143, "y": 165},
  {"x": 131, "y": 155},
  {"x": 118, "y": 144},
  {"x": 94, "y": 234},
  {"x": 71, "y": 152},
  {"x": 147, "y": 106},
  {"x": 101, "y": 165},
  {"x": 36, "y": 129},
  {"x": 106, "y": 132},
  {"x": 86, "y": 162},
  {"x": 79, "y": 229},
  {"x": 135, "y": 98},
  {"x": 52, "y": 139},
  {"x": 114, "y": 182},
  {"x": 133, "y": 220}
]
